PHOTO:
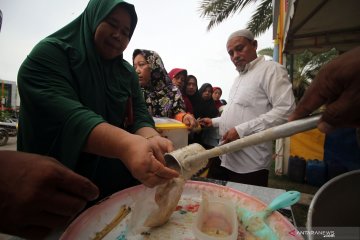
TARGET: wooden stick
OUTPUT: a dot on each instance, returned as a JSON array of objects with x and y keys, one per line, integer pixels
[{"x": 123, "y": 212}]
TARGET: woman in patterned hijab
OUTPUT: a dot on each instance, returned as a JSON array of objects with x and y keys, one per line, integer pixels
[{"x": 163, "y": 99}]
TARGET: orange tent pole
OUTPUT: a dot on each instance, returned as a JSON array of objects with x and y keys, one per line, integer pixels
[{"x": 281, "y": 29}]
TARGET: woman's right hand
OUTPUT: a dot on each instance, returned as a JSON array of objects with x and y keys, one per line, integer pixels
[
  {"x": 143, "y": 164},
  {"x": 141, "y": 156},
  {"x": 190, "y": 121}
]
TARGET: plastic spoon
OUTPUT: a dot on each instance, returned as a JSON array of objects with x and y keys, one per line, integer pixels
[{"x": 255, "y": 223}]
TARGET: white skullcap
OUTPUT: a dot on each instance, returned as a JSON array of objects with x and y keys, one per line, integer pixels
[{"x": 242, "y": 33}]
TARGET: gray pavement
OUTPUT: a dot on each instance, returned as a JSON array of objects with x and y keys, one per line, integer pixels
[{"x": 11, "y": 144}]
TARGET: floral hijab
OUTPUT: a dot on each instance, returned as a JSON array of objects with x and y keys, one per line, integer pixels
[{"x": 162, "y": 98}]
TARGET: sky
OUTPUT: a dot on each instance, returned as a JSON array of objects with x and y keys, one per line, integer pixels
[{"x": 173, "y": 28}]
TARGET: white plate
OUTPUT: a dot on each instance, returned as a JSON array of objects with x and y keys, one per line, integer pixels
[{"x": 97, "y": 217}]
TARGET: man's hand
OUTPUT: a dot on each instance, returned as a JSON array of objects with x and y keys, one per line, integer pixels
[
  {"x": 38, "y": 194},
  {"x": 230, "y": 136},
  {"x": 206, "y": 122}
]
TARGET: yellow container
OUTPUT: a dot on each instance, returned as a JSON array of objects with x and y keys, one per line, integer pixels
[{"x": 174, "y": 130}]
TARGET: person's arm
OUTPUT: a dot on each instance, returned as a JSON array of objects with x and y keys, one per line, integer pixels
[
  {"x": 38, "y": 194},
  {"x": 337, "y": 85},
  {"x": 210, "y": 122},
  {"x": 179, "y": 110},
  {"x": 159, "y": 144},
  {"x": 186, "y": 118},
  {"x": 52, "y": 109},
  {"x": 215, "y": 122},
  {"x": 135, "y": 151}
]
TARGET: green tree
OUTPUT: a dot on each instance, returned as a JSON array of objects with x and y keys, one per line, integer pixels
[
  {"x": 306, "y": 65},
  {"x": 219, "y": 10},
  {"x": 266, "y": 52}
]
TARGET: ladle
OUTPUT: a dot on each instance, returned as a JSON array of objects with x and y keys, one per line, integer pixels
[{"x": 186, "y": 163}]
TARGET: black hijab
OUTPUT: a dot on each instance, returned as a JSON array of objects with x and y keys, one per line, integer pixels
[{"x": 205, "y": 108}]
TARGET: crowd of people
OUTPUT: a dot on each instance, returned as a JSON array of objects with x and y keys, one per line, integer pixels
[
  {"x": 175, "y": 94},
  {"x": 86, "y": 128}
]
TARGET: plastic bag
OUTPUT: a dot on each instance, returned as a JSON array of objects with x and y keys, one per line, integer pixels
[{"x": 154, "y": 206}]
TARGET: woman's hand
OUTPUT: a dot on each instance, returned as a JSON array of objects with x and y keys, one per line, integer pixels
[
  {"x": 190, "y": 121},
  {"x": 160, "y": 146},
  {"x": 145, "y": 160},
  {"x": 142, "y": 153}
]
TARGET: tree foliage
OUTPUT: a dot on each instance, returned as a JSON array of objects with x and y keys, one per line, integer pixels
[
  {"x": 262, "y": 18},
  {"x": 306, "y": 65},
  {"x": 219, "y": 10},
  {"x": 266, "y": 52}
]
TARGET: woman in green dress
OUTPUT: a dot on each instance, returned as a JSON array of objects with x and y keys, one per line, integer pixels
[{"x": 81, "y": 102}]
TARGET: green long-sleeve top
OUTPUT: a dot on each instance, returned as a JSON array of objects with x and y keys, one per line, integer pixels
[{"x": 66, "y": 90}]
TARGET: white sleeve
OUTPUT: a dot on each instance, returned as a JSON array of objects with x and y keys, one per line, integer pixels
[{"x": 215, "y": 121}]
